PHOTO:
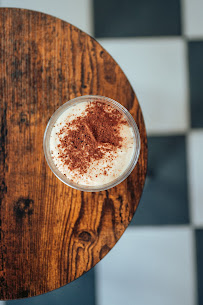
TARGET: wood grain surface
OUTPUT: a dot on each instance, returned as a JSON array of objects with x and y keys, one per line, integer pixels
[{"x": 51, "y": 234}]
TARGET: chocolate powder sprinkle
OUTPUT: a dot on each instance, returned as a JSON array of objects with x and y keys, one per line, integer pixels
[{"x": 89, "y": 137}]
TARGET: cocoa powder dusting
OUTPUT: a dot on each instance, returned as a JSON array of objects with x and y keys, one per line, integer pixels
[{"x": 89, "y": 137}]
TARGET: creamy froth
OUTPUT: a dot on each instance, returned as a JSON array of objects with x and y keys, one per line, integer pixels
[{"x": 106, "y": 160}]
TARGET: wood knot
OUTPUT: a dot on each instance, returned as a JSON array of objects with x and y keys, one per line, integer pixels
[
  {"x": 3, "y": 283},
  {"x": 24, "y": 206},
  {"x": 23, "y": 293},
  {"x": 85, "y": 236},
  {"x": 2, "y": 234},
  {"x": 23, "y": 119},
  {"x": 120, "y": 199},
  {"x": 104, "y": 250},
  {"x": 3, "y": 188},
  {"x": 101, "y": 54}
]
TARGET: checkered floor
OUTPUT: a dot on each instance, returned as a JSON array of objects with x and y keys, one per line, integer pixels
[{"x": 159, "y": 45}]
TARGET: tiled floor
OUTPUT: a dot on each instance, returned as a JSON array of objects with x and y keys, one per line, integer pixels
[
  {"x": 159, "y": 45},
  {"x": 195, "y": 170},
  {"x": 199, "y": 250},
  {"x": 195, "y": 51},
  {"x": 165, "y": 197},
  {"x": 118, "y": 18},
  {"x": 148, "y": 266},
  {"x": 193, "y": 20}
]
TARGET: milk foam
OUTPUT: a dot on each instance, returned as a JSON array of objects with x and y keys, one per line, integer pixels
[{"x": 101, "y": 171}]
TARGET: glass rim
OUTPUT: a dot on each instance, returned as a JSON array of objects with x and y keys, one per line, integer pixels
[{"x": 82, "y": 187}]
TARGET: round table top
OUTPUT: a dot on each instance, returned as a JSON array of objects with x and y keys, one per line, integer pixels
[{"x": 50, "y": 234}]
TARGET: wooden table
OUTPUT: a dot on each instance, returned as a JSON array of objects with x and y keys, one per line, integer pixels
[{"x": 51, "y": 234}]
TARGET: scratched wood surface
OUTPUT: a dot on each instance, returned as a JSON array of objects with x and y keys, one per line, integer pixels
[{"x": 51, "y": 234}]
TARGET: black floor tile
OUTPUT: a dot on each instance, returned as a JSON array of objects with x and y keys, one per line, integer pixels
[
  {"x": 164, "y": 200},
  {"x": 196, "y": 82},
  {"x": 199, "y": 252},
  {"x": 127, "y": 18},
  {"x": 80, "y": 291}
]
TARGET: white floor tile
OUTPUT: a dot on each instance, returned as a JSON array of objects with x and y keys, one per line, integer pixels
[
  {"x": 77, "y": 12},
  {"x": 148, "y": 266},
  {"x": 193, "y": 18},
  {"x": 156, "y": 68},
  {"x": 195, "y": 170}
]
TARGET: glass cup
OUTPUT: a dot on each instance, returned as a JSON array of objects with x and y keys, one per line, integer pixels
[{"x": 127, "y": 116}]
